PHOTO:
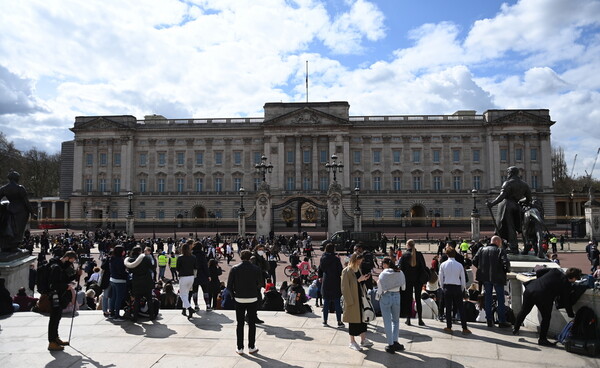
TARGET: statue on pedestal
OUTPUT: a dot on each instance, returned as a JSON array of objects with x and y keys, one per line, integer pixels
[
  {"x": 515, "y": 193},
  {"x": 14, "y": 214}
]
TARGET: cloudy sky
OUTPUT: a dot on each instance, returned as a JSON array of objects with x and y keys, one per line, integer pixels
[{"x": 226, "y": 58}]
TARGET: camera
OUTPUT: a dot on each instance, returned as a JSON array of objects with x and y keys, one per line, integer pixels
[{"x": 85, "y": 259}]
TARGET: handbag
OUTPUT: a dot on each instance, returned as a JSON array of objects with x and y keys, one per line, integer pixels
[{"x": 368, "y": 312}]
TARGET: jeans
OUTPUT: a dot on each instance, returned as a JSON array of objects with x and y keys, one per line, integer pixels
[
  {"x": 390, "y": 312},
  {"x": 240, "y": 314},
  {"x": 106, "y": 299},
  {"x": 488, "y": 301},
  {"x": 118, "y": 291},
  {"x": 161, "y": 272},
  {"x": 55, "y": 316},
  {"x": 338, "y": 308}
]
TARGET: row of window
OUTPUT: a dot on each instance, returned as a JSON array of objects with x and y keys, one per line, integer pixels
[
  {"x": 417, "y": 184},
  {"x": 323, "y": 157}
]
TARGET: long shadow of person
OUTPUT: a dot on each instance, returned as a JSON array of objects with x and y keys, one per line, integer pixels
[
  {"x": 284, "y": 333},
  {"x": 211, "y": 321},
  {"x": 152, "y": 330},
  {"x": 409, "y": 359},
  {"x": 63, "y": 359},
  {"x": 264, "y": 361}
]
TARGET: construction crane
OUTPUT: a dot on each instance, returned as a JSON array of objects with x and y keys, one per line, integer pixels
[
  {"x": 573, "y": 167},
  {"x": 593, "y": 167}
]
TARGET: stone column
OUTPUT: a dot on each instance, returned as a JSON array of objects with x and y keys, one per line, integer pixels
[
  {"x": 592, "y": 217},
  {"x": 475, "y": 229},
  {"x": 130, "y": 225},
  {"x": 334, "y": 209},
  {"x": 53, "y": 211},
  {"x": 242, "y": 223},
  {"x": 357, "y": 220},
  {"x": 263, "y": 211}
]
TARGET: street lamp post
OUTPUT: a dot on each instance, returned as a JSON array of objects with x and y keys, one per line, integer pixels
[
  {"x": 357, "y": 211},
  {"x": 242, "y": 193},
  {"x": 154, "y": 228},
  {"x": 263, "y": 168},
  {"x": 334, "y": 166},
  {"x": 130, "y": 223},
  {"x": 475, "y": 219},
  {"x": 242, "y": 213},
  {"x": 196, "y": 226}
]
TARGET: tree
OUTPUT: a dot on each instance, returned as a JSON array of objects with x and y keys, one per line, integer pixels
[{"x": 559, "y": 166}]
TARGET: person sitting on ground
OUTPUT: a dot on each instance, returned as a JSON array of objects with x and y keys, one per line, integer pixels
[
  {"x": 24, "y": 301},
  {"x": 296, "y": 298},
  {"x": 481, "y": 317},
  {"x": 429, "y": 305},
  {"x": 273, "y": 301},
  {"x": 269, "y": 284},
  {"x": 90, "y": 299},
  {"x": 283, "y": 290},
  {"x": 168, "y": 298},
  {"x": 95, "y": 277}
]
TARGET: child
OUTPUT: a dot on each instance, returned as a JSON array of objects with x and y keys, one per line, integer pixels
[
  {"x": 269, "y": 285},
  {"x": 481, "y": 317}
]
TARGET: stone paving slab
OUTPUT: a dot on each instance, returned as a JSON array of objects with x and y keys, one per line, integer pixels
[{"x": 208, "y": 340}]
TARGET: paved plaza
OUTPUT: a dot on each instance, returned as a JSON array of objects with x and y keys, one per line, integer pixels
[{"x": 284, "y": 341}]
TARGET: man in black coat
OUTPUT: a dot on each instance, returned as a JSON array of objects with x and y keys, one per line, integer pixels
[
  {"x": 550, "y": 284},
  {"x": 330, "y": 271},
  {"x": 492, "y": 265},
  {"x": 244, "y": 282},
  {"x": 61, "y": 274}
]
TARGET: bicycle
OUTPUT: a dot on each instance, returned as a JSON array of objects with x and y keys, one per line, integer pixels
[{"x": 291, "y": 271}]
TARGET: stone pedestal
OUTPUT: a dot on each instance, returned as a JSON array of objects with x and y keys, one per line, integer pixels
[
  {"x": 475, "y": 229},
  {"x": 16, "y": 273},
  {"x": 334, "y": 209},
  {"x": 592, "y": 219},
  {"x": 242, "y": 224},
  {"x": 263, "y": 211},
  {"x": 515, "y": 284},
  {"x": 357, "y": 220},
  {"x": 129, "y": 225}
]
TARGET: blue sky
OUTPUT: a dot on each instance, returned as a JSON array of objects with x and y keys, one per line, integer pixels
[{"x": 224, "y": 58}]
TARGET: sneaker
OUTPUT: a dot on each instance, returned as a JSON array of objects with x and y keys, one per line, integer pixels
[
  {"x": 253, "y": 350},
  {"x": 390, "y": 349},
  {"x": 355, "y": 346},
  {"x": 341, "y": 324},
  {"x": 54, "y": 346},
  {"x": 258, "y": 320},
  {"x": 541, "y": 342},
  {"x": 398, "y": 346},
  {"x": 239, "y": 351},
  {"x": 466, "y": 331},
  {"x": 366, "y": 343},
  {"x": 325, "y": 324},
  {"x": 448, "y": 330}
]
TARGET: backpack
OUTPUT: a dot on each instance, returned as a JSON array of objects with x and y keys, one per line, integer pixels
[
  {"x": 42, "y": 278},
  {"x": 584, "y": 324},
  {"x": 565, "y": 333}
]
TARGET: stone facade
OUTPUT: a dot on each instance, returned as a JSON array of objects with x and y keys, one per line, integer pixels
[{"x": 408, "y": 167}]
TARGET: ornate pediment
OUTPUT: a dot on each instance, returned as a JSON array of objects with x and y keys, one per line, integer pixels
[
  {"x": 306, "y": 117},
  {"x": 99, "y": 123},
  {"x": 522, "y": 117}
]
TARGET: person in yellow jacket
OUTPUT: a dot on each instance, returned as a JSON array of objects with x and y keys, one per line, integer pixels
[
  {"x": 162, "y": 265},
  {"x": 173, "y": 267},
  {"x": 464, "y": 247},
  {"x": 553, "y": 241}
]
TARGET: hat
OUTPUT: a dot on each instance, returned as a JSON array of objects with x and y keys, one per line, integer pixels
[{"x": 163, "y": 252}]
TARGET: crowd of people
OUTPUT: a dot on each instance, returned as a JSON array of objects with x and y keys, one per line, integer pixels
[{"x": 132, "y": 281}]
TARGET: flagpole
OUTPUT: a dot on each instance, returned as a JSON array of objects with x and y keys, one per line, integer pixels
[{"x": 306, "y": 81}]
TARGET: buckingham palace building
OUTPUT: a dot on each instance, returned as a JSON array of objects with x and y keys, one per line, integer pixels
[{"x": 420, "y": 170}]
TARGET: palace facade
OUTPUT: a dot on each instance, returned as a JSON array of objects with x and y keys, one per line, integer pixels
[{"x": 415, "y": 168}]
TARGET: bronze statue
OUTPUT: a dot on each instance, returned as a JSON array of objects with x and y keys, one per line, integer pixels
[
  {"x": 14, "y": 214},
  {"x": 514, "y": 192}
]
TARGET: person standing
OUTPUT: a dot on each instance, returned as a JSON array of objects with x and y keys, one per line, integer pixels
[
  {"x": 244, "y": 282},
  {"x": 550, "y": 284},
  {"x": 391, "y": 281},
  {"x": 214, "y": 284},
  {"x": 561, "y": 240},
  {"x": 162, "y": 265},
  {"x": 173, "y": 267},
  {"x": 553, "y": 240},
  {"x": 452, "y": 279},
  {"x": 62, "y": 273},
  {"x": 412, "y": 263},
  {"x": 492, "y": 266},
  {"x": 186, "y": 263},
  {"x": 330, "y": 272},
  {"x": 118, "y": 282},
  {"x": 353, "y": 288},
  {"x": 140, "y": 267}
]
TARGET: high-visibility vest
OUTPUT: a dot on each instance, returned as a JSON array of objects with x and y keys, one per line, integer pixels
[
  {"x": 162, "y": 260},
  {"x": 173, "y": 262}
]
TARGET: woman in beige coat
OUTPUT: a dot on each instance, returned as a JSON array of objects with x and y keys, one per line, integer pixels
[{"x": 351, "y": 291}]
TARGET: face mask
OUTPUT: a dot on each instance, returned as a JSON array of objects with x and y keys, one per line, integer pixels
[{"x": 261, "y": 252}]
